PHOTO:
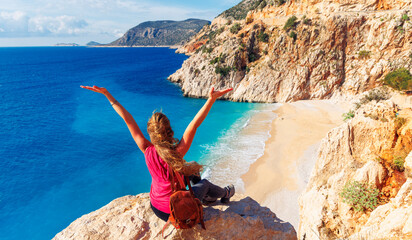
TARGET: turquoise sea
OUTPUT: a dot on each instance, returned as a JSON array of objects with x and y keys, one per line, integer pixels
[{"x": 65, "y": 152}]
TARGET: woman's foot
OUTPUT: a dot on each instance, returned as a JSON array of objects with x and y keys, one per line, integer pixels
[{"x": 230, "y": 191}]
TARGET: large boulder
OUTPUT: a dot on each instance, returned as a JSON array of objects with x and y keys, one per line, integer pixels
[{"x": 131, "y": 217}]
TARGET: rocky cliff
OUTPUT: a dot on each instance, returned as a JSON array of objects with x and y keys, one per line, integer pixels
[
  {"x": 131, "y": 217},
  {"x": 282, "y": 51},
  {"x": 373, "y": 149},
  {"x": 160, "y": 33}
]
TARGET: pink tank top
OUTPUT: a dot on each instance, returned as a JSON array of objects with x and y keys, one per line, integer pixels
[{"x": 161, "y": 188}]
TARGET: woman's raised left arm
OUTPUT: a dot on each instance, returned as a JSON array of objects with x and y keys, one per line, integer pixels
[{"x": 134, "y": 129}]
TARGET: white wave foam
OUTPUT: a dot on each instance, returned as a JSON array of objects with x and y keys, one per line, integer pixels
[{"x": 238, "y": 147}]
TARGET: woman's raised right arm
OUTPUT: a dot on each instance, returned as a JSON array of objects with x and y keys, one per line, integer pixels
[
  {"x": 190, "y": 131},
  {"x": 134, "y": 129}
]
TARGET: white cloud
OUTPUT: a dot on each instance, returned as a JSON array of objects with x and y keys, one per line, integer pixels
[
  {"x": 13, "y": 22},
  {"x": 19, "y": 24},
  {"x": 61, "y": 25},
  {"x": 99, "y": 20}
]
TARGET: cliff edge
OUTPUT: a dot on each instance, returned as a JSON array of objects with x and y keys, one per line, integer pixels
[{"x": 131, "y": 217}]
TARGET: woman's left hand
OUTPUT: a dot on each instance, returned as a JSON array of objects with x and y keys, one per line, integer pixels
[{"x": 96, "y": 89}]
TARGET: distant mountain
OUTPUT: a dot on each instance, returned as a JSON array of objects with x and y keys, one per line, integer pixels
[
  {"x": 66, "y": 45},
  {"x": 93, "y": 43},
  {"x": 161, "y": 33}
]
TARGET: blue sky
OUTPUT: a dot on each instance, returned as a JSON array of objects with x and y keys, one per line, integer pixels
[{"x": 46, "y": 22}]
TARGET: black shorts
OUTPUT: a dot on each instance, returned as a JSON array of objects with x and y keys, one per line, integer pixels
[{"x": 162, "y": 215}]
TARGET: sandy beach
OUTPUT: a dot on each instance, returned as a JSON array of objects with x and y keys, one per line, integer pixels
[{"x": 277, "y": 178}]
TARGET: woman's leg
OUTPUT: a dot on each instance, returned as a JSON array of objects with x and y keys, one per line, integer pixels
[{"x": 205, "y": 188}]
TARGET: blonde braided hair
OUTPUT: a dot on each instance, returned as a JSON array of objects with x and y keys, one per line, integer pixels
[{"x": 162, "y": 137}]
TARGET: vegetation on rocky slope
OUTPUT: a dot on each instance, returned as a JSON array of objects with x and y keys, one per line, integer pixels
[
  {"x": 400, "y": 79},
  {"x": 278, "y": 53},
  {"x": 240, "y": 11},
  {"x": 360, "y": 196}
]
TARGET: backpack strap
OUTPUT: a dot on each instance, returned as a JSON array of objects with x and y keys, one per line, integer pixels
[
  {"x": 181, "y": 184},
  {"x": 180, "y": 180},
  {"x": 202, "y": 223},
  {"x": 164, "y": 227},
  {"x": 190, "y": 187}
]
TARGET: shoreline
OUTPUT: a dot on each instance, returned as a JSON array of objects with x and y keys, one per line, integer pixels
[
  {"x": 239, "y": 146},
  {"x": 277, "y": 178}
]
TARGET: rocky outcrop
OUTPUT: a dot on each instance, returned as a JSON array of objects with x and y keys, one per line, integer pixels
[
  {"x": 333, "y": 48},
  {"x": 160, "y": 33},
  {"x": 364, "y": 149},
  {"x": 131, "y": 217}
]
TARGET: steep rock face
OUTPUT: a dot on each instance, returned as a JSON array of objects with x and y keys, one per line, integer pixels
[
  {"x": 160, "y": 33},
  {"x": 333, "y": 48},
  {"x": 363, "y": 149},
  {"x": 131, "y": 217}
]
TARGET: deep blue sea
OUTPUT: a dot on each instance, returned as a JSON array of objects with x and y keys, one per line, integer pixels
[{"x": 65, "y": 152}]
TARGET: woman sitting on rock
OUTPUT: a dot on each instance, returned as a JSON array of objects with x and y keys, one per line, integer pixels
[{"x": 164, "y": 151}]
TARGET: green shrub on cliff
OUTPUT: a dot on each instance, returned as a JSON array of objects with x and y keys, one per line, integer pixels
[
  {"x": 205, "y": 49},
  {"x": 398, "y": 164},
  {"x": 213, "y": 34},
  {"x": 252, "y": 57},
  {"x": 262, "y": 4},
  {"x": 280, "y": 2},
  {"x": 224, "y": 71},
  {"x": 348, "y": 115},
  {"x": 235, "y": 28},
  {"x": 363, "y": 54},
  {"x": 375, "y": 94},
  {"x": 400, "y": 79},
  {"x": 305, "y": 20},
  {"x": 220, "y": 59},
  {"x": 240, "y": 11},
  {"x": 293, "y": 35},
  {"x": 360, "y": 196},
  {"x": 405, "y": 17},
  {"x": 290, "y": 23},
  {"x": 399, "y": 122},
  {"x": 263, "y": 37}
]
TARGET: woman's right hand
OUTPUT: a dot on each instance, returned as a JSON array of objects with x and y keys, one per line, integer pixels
[
  {"x": 96, "y": 89},
  {"x": 216, "y": 94}
]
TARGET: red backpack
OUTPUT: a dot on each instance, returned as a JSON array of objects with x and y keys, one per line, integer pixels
[{"x": 186, "y": 211}]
